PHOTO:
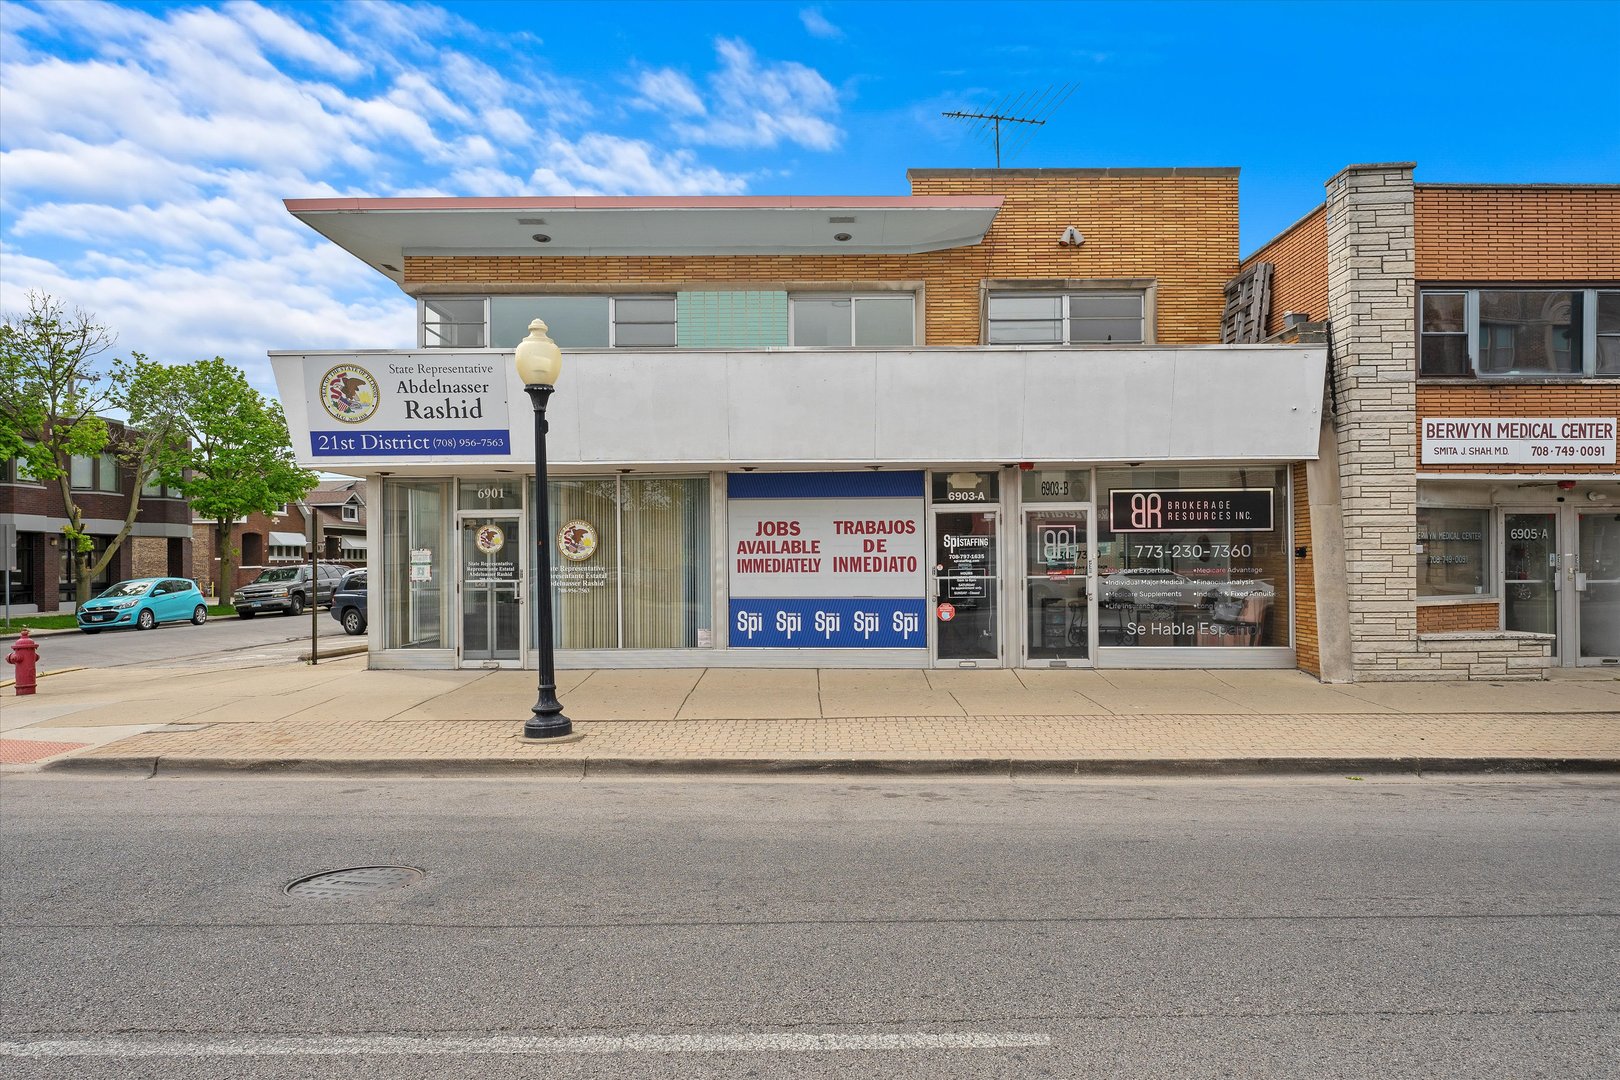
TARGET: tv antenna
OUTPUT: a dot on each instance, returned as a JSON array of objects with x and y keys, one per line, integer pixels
[{"x": 1042, "y": 105}]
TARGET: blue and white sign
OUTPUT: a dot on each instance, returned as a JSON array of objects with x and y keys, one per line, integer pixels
[
  {"x": 403, "y": 408},
  {"x": 827, "y": 560}
]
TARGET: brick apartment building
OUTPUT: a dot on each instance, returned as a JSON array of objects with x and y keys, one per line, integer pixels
[
  {"x": 282, "y": 536},
  {"x": 42, "y": 578}
]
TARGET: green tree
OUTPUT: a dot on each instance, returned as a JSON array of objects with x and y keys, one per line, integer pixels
[
  {"x": 233, "y": 456},
  {"x": 56, "y": 384}
]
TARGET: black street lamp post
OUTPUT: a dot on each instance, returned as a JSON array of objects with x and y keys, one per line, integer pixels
[{"x": 539, "y": 362}]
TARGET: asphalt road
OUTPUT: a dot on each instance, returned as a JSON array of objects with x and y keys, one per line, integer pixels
[
  {"x": 906, "y": 928},
  {"x": 219, "y": 641}
]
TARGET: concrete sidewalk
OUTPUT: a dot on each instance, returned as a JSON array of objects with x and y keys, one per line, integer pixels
[{"x": 340, "y": 715}]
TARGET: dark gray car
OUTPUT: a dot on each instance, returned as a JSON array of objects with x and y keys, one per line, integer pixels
[
  {"x": 349, "y": 602},
  {"x": 287, "y": 589}
]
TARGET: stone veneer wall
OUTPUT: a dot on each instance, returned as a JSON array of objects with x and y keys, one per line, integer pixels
[
  {"x": 1371, "y": 302},
  {"x": 1371, "y": 267},
  {"x": 1492, "y": 656}
]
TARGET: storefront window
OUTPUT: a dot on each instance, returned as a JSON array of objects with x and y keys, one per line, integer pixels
[
  {"x": 417, "y": 564},
  {"x": 631, "y": 563},
  {"x": 1193, "y": 557},
  {"x": 1452, "y": 553}
]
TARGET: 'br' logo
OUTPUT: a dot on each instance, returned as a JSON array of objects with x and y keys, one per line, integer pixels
[{"x": 349, "y": 393}]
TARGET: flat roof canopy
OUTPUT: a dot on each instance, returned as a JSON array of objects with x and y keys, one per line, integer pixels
[{"x": 381, "y": 232}]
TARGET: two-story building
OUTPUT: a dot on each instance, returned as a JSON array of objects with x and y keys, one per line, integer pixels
[
  {"x": 1465, "y": 505},
  {"x": 984, "y": 424},
  {"x": 42, "y": 572}
]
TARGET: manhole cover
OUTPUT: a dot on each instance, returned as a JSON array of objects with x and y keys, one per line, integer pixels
[{"x": 355, "y": 881}]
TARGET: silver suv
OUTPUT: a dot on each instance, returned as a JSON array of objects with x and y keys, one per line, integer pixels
[{"x": 286, "y": 589}]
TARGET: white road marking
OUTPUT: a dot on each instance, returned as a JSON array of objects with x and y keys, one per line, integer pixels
[{"x": 373, "y": 1045}]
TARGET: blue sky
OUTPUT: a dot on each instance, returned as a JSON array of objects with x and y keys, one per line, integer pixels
[{"x": 145, "y": 148}]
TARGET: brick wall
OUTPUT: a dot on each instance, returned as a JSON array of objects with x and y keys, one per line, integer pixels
[
  {"x": 1299, "y": 262},
  {"x": 1450, "y": 618},
  {"x": 148, "y": 556},
  {"x": 1495, "y": 399},
  {"x": 1468, "y": 232},
  {"x": 1179, "y": 227},
  {"x": 1307, "y": 648}
]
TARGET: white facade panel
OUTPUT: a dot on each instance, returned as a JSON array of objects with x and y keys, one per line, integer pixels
[{"x": 787, "y": 407}]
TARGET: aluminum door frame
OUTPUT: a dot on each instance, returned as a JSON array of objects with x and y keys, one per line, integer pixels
[
  {"x": 1089, "y": 511},
  {"x": 998, "y": 581},
  {"x": 521, "y": 519}
]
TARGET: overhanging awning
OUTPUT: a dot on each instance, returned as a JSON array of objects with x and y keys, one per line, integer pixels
[
  {"x": 352, "y": 543},
  {"x": 288, "y": 539}
]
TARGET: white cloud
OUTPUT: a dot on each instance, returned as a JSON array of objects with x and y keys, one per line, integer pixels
[
  {"x": 816, "y": 24},
  {"x": 608, "y": 165},
  {"x": 670, "y": 91},
  {"x": 763, "y": 105},
  {"x": 146, "y": 151}
]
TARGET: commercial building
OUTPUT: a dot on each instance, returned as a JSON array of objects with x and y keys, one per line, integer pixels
[
  {"x": 1465, "y": 505},
  {"x": 987, "y": 424},
  {"x": 984, "y": 424}
]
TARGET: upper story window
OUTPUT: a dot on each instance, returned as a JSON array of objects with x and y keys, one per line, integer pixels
[
  {"x": 1519, "y": 333},
  {"x": 452, "y": 322},
  {"x": 99, "y": 473},
  {"x": 1084, "y": 317},
  {"x": 885, "y": 319},
  {"x": 574, "y": 322},
  {"x": 15, "y": 471},
  {"x": 351, "y": 512}
]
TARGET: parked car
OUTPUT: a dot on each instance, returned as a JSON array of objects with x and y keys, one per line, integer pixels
[
  {"x": 349, "y": 602},
  {"x": 287, "y": 589},
  {"x": 143, "y": 603}
]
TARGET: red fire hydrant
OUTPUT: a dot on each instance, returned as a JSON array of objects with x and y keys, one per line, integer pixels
[{"x": 25, "y": 654}]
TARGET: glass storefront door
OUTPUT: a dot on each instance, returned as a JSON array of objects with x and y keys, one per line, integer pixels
[
  {"x": 492, "y": 566},
  {"x": 1597, "y": 587},
  {"x": 1530, "y": 572},
  {"x": 1058, "y": 590},
  {"x": 965, "y": 588}
]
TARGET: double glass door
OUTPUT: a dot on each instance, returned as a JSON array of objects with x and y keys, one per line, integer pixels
[
  {"x": 491, "y": 566},
  {"x": 1561, "y": 576}
]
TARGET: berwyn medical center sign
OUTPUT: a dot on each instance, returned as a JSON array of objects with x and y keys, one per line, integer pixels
[
  {"x": 391, "y": 406},
  {"x": 1519, "y": 440}
]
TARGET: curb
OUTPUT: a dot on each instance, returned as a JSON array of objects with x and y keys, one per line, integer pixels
[{"x": 587, "y": 768}]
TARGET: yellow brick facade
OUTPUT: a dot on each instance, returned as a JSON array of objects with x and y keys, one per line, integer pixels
[
  {"x": 1177, "y": 227},
  {"x": 1307, "y": 647}
]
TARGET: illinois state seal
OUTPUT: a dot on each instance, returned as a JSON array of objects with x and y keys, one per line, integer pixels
[
  {"x": 576, "y": 540},
  {"x": 349, "y": 393}
]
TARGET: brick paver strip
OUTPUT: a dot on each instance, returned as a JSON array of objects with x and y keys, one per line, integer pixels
[
  {"x": 1548, "y": 736},
  {"x": 27, "y": 751}
]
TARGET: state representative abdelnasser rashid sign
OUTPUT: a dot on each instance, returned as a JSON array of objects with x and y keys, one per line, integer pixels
[{"x": 408, "y": 408}]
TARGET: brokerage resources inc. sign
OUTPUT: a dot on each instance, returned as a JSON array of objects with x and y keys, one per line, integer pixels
[
  {"x": 408, "y": 408},
  {"x": 1519, "y": 440}
]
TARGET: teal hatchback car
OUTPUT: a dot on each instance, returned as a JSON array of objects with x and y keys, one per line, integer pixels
[{"x": 143, "y": 603}]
